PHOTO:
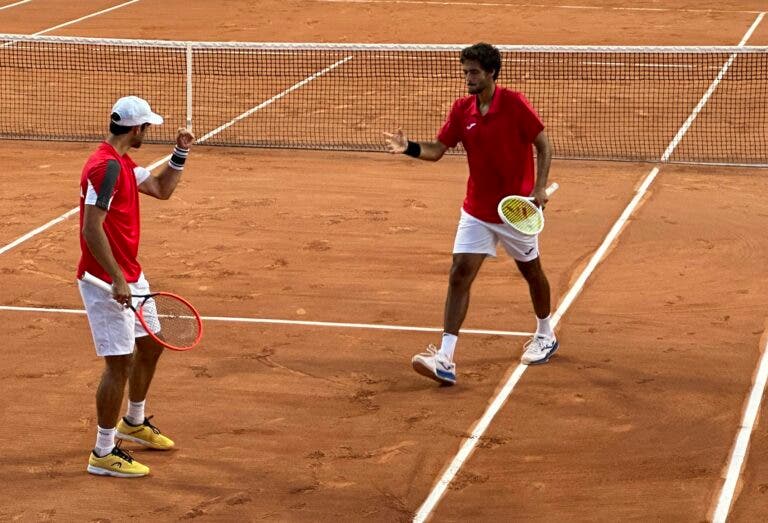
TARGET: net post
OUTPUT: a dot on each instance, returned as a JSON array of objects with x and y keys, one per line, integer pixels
[{"x": 189, "y": 86}]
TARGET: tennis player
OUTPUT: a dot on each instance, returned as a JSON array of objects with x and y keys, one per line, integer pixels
[
  {"x": 498, "y": 128},
  {"x": 109, "y": 242}
]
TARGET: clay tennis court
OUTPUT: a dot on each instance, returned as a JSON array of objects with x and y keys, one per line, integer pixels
[{"x": 300, "y": 403}]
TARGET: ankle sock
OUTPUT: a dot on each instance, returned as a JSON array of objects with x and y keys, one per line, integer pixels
[
  {"x": 135, "y": 415},
  {"x": 105, "y": 441},
  {"x": 448, "y": 345}
]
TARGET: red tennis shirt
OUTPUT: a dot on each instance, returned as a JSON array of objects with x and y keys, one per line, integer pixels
[
  {"x": 499, "y": 148},
  {"x": 121, "y": 224}
]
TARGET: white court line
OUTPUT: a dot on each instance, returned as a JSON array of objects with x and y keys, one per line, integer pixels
[
  {"x": 466, "y": 449},
  {"x": 37, "y": 231},
  {"x": 15, "y": 4},
  {"x": 164, "y": 159},
  {"x": 275, "y": 98},
  {"x": 65, "y": 24},
  {"x": 540, "y": 6},
  {"x": 739, "y": 452},
  {"x": 273, "y": 321},
  {"x": 70, "y": 212},
  {"x": 741, "y": 445}
]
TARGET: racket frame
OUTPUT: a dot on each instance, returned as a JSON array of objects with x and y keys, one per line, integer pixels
[
  {"x": 139, "y": 311},
  {"x": 551, "y": 189}
]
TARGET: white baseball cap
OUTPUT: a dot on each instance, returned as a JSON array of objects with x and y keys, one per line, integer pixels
[{"x": 130, "y": 111}]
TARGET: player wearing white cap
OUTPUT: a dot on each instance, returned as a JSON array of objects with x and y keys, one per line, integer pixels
[{"x": 109, "y": 241}]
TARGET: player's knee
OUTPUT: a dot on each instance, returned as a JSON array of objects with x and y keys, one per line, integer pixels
[
  {"x": 117, "y": 368},
  {"x": 461, "y": 275}
]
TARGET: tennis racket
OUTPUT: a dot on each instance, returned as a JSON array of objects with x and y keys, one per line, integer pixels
[
  {"x": 169, "y": 319},
  {"x": 522, "y": 214}
]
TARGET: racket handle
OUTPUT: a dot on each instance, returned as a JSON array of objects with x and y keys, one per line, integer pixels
[
  {"x": 552, "y": 188},
  {"x": 93, "y": 280}
]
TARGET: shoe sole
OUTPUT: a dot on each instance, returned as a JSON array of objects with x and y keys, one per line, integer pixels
[
  {"x": 547, "y": 358},
  {"x": 140, "y": 441},
  {"x": 424, "y": 370},
  {"x": 98, "y": 471}
]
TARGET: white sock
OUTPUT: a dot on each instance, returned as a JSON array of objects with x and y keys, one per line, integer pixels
[
  {"x": 543, "y": 328},
  {"x": 448, "y": 345},
  {"x": 135, "y": 415},
  {"x": 105, "y": 441}
]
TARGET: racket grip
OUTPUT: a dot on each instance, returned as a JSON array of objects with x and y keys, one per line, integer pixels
[
  {"x": 552, "y": 188},
  {"x": 93, "y": 280}
]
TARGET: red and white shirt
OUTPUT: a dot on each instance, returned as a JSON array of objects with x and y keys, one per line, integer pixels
[
  {"x": 499, "y": 148},
  {"x": 122, "y": 223}
]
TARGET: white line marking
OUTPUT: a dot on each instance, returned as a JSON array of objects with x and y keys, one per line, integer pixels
[
  {"x": 76, "y": 20},
  {"x": 37, "y": 231},
  {"x": 467, "y": 447},
  {"x": 741, "y": 445},
  {"x": 276, "y": 97},
  {"x": 273, "y": 321},
  {"x": 538, "y": 6},
  {"x": 739, "y": 452},
  {"x": 65, "y": 24},
  {"x": 199, "y": 140},
  {"x": 15, "y": 4},
  {"x": 676, "y": 140}
]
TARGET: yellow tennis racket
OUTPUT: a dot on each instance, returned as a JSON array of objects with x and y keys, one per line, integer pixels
[{"x": 522, "y": 214}]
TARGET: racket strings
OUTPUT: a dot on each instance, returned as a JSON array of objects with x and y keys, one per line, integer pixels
[
  {"x": 171, "y": 319},
  {"x": 523, "y": 214}
]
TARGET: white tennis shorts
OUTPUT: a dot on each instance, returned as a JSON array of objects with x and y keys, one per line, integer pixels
[
  {"x": 475, "y": 236},
  {"x": 114, "y": 328}
]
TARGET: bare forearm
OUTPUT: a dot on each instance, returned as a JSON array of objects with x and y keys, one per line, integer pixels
[
  {"x": 543, "y": 160},
  {"x": 167, "y": 181},
  {"x": 98, "y": 244}
]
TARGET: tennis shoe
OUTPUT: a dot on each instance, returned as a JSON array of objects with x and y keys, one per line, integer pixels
[
  {"x": 539, "y": 349},
  {"x": 145, "y": 434},
  {"x": 434, "y": 365},
  {"x": 118, "y": 464}
]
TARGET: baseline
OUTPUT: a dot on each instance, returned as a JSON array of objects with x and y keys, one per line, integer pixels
[{"x": 275, "y": 321}]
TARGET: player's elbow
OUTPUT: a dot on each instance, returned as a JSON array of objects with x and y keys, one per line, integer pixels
[
  {"x": 434, "y": 151},
  {"x": 91, "y": 232}
]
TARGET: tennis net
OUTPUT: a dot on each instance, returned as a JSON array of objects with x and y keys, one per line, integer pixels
[{"x": 611, "y": 103}]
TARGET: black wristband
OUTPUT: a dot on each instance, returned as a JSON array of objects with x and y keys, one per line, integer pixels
[
  {"x": 413, "y": 149},
  {"x": 178, "y": 158}
]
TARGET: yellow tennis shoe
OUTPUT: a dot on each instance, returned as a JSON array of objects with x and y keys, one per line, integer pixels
[
  {"x": 145, "y": 434},
  {"x": 118, "y": 464}
]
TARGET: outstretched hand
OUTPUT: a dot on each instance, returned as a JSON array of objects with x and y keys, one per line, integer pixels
[
  {"x": 396, "y": 142},
  {"x": 184, "y": 138}
]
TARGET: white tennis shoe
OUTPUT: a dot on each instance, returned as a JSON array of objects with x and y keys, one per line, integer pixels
[
  {"x": 539, "y": 349},
  {"x": 434, "y": 365}
]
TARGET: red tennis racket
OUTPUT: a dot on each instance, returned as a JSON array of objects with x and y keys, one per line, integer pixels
[{"x": 168, "y": 318}]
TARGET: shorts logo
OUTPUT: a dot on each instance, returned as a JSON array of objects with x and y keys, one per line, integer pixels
[
  {"x": 529, "y": 251},
  {"x": 470, "y": 126}
]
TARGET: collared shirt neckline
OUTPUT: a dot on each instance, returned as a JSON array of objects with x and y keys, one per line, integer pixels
[{"x": 493, "y": 108}]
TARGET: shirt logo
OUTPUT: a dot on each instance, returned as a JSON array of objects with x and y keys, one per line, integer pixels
[{"x": 470, "y": 126}]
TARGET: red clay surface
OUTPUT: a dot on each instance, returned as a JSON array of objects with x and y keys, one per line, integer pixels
[{"x": 634, "y": 419}]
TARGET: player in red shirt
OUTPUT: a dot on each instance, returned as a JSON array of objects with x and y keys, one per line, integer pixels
[
  {"x": 498, "y": 128},
  {"x": 109, "y": 240}
]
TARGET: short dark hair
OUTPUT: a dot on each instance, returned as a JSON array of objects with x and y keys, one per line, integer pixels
[
  {"x": 118, "y": 129},
  {"x": 486, "y": 55}
]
